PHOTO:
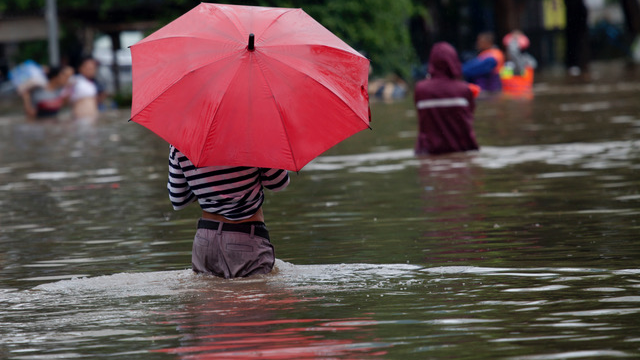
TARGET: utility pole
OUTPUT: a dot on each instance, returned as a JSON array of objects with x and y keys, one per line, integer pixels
[{"x": 51, "y": 16}]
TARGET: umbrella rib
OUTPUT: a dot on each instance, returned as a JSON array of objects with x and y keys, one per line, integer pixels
[
  {"x": 213, "y": 116},
  {"x": 231, "y": 21},
  {"x": 185, "y": 37},
  {"x": 177, "y": 81},
  {"x": 315, "y": 80},
  {"x": 293, "y": 157},
  {"x": 278, "y": 18}
]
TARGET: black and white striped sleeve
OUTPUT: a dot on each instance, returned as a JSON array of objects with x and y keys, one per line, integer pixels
[
  {"x": 180, "y": 192},
  {"x": 274, "y": 179}
]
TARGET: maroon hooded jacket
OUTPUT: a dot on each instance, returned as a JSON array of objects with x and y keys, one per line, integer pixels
[{"x": 445, "y": 105}]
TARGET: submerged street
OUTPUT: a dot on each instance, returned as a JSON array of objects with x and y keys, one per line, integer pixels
[{"x": 526, "y": 249}]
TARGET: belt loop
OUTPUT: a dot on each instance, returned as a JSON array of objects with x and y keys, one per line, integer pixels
[
  {"x": 219, "y": 231},
  {"x": 253, "y": 230}
]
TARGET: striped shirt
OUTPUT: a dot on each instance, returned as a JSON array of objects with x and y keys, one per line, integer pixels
[{"x": 233, "y": 192}]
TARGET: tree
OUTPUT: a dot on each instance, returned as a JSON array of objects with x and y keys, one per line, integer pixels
[
  {"x": 631, "y": 10},
  {"x": 377, "y": 28}
]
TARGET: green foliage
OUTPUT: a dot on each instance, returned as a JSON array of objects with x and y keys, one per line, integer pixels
[
  {"x": 123, "y": 99},
  {"x": 34, "y": 50},
  {"x": 377, "y": 28},
  {"x": 21, "y": 5}
]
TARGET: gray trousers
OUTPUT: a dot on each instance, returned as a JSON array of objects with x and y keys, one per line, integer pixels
[{"x": 232, "y": 250}]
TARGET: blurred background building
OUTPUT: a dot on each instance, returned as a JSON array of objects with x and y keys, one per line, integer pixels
[{"x": 397, "y": 36}]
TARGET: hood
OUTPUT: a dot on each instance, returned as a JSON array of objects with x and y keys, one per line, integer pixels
[{"x": 444, "y": 61}]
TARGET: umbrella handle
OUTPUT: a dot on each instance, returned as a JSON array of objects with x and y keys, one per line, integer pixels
[{"x": 251, "y": 47}]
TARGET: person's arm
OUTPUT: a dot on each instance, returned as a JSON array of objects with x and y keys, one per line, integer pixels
[
  {"x": 180, "y": 192},
  {"x": 27, "y": 104},
  {"x": 67, "y": 89},
  {"x": 477, "y": 67},
  {"x": 274, "y": 179}
]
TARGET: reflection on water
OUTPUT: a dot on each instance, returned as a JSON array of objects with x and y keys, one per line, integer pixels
[
  {"x": 526, "y": 249},
  {"x": 299, "y": 312}
]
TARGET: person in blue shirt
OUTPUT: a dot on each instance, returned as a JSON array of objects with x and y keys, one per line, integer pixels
[{"x": 484, "y": 69}]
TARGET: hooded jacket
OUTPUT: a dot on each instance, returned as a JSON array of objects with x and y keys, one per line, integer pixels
[{"x": 445, "y": 105}]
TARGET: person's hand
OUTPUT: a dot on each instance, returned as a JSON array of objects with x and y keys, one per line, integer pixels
[
  {"x": 29, "y": 110},
  {"x": 475, "y": 90}
]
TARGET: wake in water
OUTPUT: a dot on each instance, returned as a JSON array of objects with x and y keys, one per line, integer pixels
[
  {"x": 338, "y": 277},
  {"x": 297, "y": 310},
  {"x": 612, "y": 154},
  {"x": 324, "y": 278}
]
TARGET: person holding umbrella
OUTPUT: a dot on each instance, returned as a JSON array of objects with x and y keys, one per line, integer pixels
[
  {"x": 232, "y": 239},
  {"x": 243, "y": 94}
]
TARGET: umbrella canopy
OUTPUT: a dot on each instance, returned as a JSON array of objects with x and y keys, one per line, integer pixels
[{"x": 249, "y": 86}]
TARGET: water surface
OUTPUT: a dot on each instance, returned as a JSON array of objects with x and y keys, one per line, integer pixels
[{"x": 526, "y": 249}]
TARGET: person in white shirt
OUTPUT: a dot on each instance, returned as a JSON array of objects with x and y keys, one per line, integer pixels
[{"x": 84, "y": 95}]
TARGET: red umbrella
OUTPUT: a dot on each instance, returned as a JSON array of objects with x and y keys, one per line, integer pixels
[{"x": 251, "y": 86}]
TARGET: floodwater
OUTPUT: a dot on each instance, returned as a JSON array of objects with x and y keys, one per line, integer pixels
[{"x": 527, "y": 249}]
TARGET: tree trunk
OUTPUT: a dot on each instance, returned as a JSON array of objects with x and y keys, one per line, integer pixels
[
  {"x": 631, "y": 10},
  {"x": 577, "y": 35},
  {"x": 115, "y": 68},
  {"x": 505, "y": 18}
]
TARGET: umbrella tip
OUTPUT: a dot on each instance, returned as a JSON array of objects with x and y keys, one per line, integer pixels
[{"x": 251, "y": 47}]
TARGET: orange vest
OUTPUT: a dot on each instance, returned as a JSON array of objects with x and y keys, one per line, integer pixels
[{"x": 496, "y": 54}]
